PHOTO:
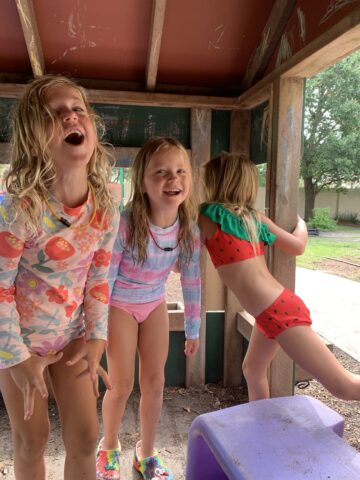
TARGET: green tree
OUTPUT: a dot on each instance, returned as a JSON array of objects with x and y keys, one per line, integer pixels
[{"x": 331, "y": 155}]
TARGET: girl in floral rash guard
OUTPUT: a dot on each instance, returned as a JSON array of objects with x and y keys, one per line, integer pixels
[{"x": 58, "y": 223}]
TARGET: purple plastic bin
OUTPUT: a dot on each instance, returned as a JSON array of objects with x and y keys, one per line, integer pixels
[{"x": 287, "y": 438}]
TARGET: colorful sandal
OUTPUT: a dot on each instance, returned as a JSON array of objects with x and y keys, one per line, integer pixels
[
  {"x": 151, "y": 468},
  {"x": 108, "y": 463}
]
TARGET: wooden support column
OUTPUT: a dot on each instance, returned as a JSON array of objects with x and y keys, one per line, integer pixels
[
  {"x": 200, "y": 154},
  {"x": 233, "y": 342},
  {"x": 286, "y": 105}
]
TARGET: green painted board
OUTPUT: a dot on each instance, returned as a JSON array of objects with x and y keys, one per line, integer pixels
[
  {"x": 132, "y": 126},
  {"x": 220, "y": 132},
  {"x": 259, "y": 133},
  {"x": 6, "y": 105}
]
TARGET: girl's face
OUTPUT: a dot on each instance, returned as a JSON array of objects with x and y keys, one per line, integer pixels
[
  {"x": 167, "y": 178},
  {"x": 74, "y": 136}
]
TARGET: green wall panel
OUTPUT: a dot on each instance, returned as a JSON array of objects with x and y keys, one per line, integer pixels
[
  {"x": 259, "y": 133},
  {"x": 132, "y": 126},
  {"x": 220, "y": 132},
  {"x": 6, "y": 105},
  {"x": 214, "y": 358}
]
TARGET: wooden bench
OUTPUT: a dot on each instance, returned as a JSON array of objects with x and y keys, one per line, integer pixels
[
  {"x": 244, "y": 326},
  {"x": 297, "y": 438}
]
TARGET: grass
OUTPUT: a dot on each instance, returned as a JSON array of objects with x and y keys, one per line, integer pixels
[{"x": 332, "y": 247}]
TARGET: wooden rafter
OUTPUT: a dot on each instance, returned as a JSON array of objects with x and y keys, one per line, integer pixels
[
  {"x": 29, "y": 26},
  {"x": 270, "y": 37},
  {"x": 11, "y": 90},
  {"x": 156, "y": 30},
  {"x": 340, "y": 40}
]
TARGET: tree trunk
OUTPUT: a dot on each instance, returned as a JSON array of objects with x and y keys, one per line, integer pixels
[{"x": 310, "y": 195}]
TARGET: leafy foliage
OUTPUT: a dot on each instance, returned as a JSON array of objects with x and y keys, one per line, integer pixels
[
  {"x": 321, "y": 219},
  {"x": 331, "y": 155}
]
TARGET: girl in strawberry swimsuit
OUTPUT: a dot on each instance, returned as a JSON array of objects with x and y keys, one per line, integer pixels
[
  {"x": 235, "y": 234},
  {"x": 58, "y": 223}
]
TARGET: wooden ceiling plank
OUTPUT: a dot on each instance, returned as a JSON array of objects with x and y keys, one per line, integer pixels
[
  {"x": 113, "y": 97},
  {"x": 269, "y": 39},
  {"x": 340, "y": 40},
  {"x": 31, "y": 34},
  {"x": 162, "y": 99},
  {"x": 119, "y": 85},
  {"x": 156, "y": 30}
]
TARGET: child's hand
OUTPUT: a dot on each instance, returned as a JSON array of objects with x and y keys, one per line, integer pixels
[
  {"x": 91, "y": 351},
  {"x": 29, "y": 377},
  {"x": 191, "y": 347}
]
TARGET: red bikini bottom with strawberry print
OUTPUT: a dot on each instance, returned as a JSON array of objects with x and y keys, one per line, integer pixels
[{"x": 287, "y": 311}]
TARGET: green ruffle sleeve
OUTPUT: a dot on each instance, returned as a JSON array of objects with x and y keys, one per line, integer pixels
[{"x": 232, "y": 224}]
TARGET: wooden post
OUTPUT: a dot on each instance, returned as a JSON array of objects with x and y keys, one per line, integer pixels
[
  {"x": 286, "y": 106},
  {"x": 233, "y": 342},
  {"x": 200, "y": 154}
]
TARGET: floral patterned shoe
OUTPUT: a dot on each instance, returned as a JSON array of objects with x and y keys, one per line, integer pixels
[
  {"x": 151, "y": 468},
  {"x": 108, "y": 463}
]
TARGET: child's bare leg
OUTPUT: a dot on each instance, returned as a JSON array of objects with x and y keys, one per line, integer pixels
[
  {"x": 258, "y": 357},
  {"x": 30, "y": 437},
  {"x": 120, "y": 354},
  {"x": 304, "y": 346},
  {"x": 78, "y": 415},
  {"x": 153, "y": 352}
]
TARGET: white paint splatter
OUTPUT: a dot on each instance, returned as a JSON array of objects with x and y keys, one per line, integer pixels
[
  {"x": 71, "y": 26},
  {"x": 216, "y": 43},
  {"x": 302, "y": 26},
  {"x": 77, "y": 29},
  {"x": 334, "y": 6},
  {"x": 285, "y": 50}
]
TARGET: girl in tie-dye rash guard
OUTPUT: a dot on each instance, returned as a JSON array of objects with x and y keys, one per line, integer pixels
[
  {"x": 157, "y": 233},
  {"x": 58, "y": 223}
]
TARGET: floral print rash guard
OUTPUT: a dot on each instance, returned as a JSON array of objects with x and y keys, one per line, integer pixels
[{"x": 53, "y": 286}]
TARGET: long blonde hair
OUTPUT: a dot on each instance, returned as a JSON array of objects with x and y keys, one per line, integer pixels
[
  {"x": 139, "y": 207},
  {"x": 32, "y": 170},
  {"x": 232, "y": 180}
]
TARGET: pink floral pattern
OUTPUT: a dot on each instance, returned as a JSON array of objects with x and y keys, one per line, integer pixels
[{"x": 53, "y": 287}]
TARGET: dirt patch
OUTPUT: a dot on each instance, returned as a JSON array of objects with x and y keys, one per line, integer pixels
[
  {"x": 180, "y": 408},
  {"x": 340, "y": 267},
  {"x": 349, "y": 410}
]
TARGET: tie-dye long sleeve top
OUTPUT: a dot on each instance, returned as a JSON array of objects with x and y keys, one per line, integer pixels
[
  {"x": 141, "y": 283},
  {"x": 53, "y": 286}
]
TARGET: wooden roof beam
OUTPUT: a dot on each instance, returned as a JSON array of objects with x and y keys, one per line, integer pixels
[
  {"x": 156, "y": 30},
  {"x": 29, "y": 26},
  {"x": 113, "y": 97},
  {"x": 270, "y": 37},
  {"x": 340, "y": 40}
]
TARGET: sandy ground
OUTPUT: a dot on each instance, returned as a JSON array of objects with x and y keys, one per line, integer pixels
[{"x": 181, "y": 406}]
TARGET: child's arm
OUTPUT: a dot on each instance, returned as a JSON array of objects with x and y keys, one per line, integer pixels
[
  {"x": 26, "y": 370},
  {"x": 191, "y": 287},
  {"x": 293, "y": 243},
  {"x": 96, "y": 300}
]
